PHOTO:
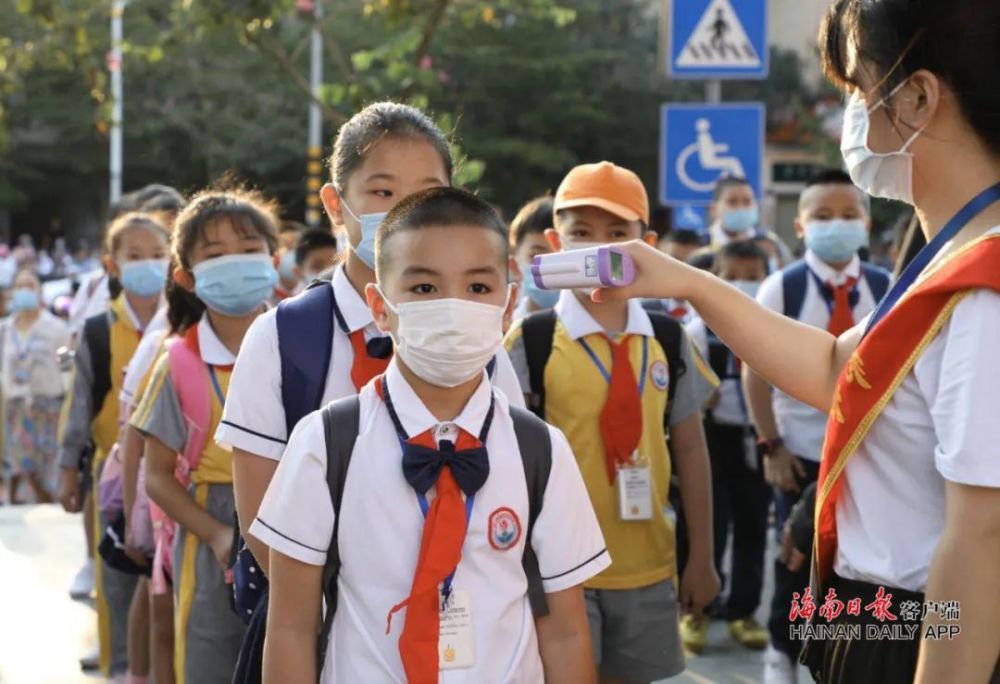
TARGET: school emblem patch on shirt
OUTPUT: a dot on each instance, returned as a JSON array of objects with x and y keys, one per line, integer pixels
[
  {"x": 505, "y": 529},
  {"x": 659, "y": 375}
]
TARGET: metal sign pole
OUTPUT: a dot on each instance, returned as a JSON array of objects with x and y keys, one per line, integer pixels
[
  {"x": 115, "y": 67},
  {"x": 315, "y": 144}
]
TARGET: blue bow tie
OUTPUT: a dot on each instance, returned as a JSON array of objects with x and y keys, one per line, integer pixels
[{"x": 422, "y": 466}]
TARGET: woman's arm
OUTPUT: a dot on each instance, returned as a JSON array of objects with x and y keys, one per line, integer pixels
[
  {"x": 293, "y": 620},
  {"x": 251, "y": 476},
  {"x": 564, "y": 639},
  {"x": 964, "y": 570},
  {"x": 164, "y": 489},
  {"x": 801, "y": 360}
]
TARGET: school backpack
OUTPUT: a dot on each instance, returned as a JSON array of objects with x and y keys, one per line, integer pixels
[
  {"x": 97, "y": 332},
  {"x": 341, "y": 425},
  {"x": 189, "y": 376},
  {"x": 538, "y": 331},
  {"x": 795, "y": 281}
]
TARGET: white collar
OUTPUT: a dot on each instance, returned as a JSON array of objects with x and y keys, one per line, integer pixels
[
  {"x": 828, "y": 274},
  {"x": 213, "y": 352},
  {"x": 352, "y": 306},
  {"x": 415, "y": 417},
  {"x": 579, "y": 323}
]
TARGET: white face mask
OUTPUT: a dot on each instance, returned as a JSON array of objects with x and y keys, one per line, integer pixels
[
  {"x": 447, "y": 341},
  {"x": 888, "y": 175}
]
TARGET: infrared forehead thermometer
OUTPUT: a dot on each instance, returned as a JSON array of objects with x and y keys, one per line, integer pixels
[{"x": 602, "y": 266}]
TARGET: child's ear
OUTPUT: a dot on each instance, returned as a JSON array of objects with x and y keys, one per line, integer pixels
[
  {"x": 184, "y": 279},
  {"x": 331, "y": 202},
  {"x": 868, "y": 224},
  {"x": 512, "y": 300},
  {"x": 111, "y": 266},
  {"x": 376, "y": 302},
  {"x": 552, "y": 236},
  {"x": 800, "y": 228},
  {"x": 299, "y": 273},
  {"x": 651, "y": 238},
  {"x": 515, "y": 270}
]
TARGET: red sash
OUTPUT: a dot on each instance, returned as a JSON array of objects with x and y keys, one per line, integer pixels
[{"x": 879, "y": 365}]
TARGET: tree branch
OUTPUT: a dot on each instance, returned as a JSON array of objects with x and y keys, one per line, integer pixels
[{"x": 430, "y": 28}]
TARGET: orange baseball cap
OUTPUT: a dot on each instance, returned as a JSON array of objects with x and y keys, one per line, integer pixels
[{"x": 605, "y": 186}]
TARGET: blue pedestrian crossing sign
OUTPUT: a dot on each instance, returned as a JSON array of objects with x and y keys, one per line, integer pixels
[
  {"x": 718, "y": 39},
  {"x": 701, "y": 143}
]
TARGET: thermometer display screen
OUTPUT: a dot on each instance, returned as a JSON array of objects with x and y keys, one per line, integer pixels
[{"x": 616, "y": 266}]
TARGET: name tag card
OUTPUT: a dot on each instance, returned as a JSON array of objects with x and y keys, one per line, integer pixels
[
  {"x": 635, "y": 493},
  {"x": 455, "y": 640}
]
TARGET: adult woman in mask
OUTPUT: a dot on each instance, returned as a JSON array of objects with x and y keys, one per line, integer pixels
[{"x": 908, "y": 505}]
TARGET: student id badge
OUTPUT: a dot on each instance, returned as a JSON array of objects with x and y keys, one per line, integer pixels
[
  {"x": 635, "y": 492},
  {"x": 456, "y": 645}
]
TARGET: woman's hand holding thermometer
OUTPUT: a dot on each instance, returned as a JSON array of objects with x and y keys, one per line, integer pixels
[{"x": 601, "y": 266}]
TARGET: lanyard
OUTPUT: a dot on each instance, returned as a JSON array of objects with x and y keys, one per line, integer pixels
[
  {"x": 826, "y": 293},
  {"x": 604, "y": 371},
  {"x": 422, "y": 499},
  {"x": 216, "y": 386},
  {"x": 21, "y": 352},
  {"x": 927, "y": 254}
]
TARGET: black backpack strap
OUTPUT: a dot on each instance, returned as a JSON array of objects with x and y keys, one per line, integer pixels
[
  {"x": 670, "y": 334},
  {"x": 538, "y": 330},
  {"x": 97, "y": 332},
  {"x": 794, "y": 281},
  {"x": 535, "y": 445},
  {"x": 341, "y": 422},
  {"x": 305, "y": 340}
]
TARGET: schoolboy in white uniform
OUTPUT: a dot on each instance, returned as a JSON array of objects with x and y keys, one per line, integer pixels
[{"x": 442, "y": 265}]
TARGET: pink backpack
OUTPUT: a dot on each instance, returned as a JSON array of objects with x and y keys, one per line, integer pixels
[{"x": 189, "y": 376}]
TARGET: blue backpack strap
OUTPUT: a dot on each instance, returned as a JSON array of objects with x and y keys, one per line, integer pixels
[
  {"x": 794, "y": 283},
  {"x": 305, "y": 340},
  {"x": 878, "y": 280}
]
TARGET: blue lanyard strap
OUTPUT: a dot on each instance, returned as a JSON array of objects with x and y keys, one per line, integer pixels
[
  {"x": 924, "y": 257},
  {"x": 215, "y": 385},
  {"x": 607, "y": 374}
]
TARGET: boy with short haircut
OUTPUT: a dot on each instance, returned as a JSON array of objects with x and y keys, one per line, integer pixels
[
  {"x": 740, "y": 496},
  {"x": 832, "y": 289},
  {"x": 315, "y": 252},
  {"x": 527, "y": 240},
  {"x": 431, "y": 431},
  {"x": 737, "y": 217},
  {"x": 605, "y": 382}
]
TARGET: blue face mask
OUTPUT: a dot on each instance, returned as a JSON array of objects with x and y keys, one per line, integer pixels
[
  {"x": 740, "y": 220},
  {"x": 286, "y": 267},
  {"x": 545, "y": 299},
  {"x": 369, "y": 224},
  {"x": 144, "y": 278},
  {"x": 23, "y": 299},
  {"x": 836, "y": 241},
  {"x": 235, "y": 285}
]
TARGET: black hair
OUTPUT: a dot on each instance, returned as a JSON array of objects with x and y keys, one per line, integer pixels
[
  {"x": 742, "y": 249},
  {"x": 247, "y": 211},
  {"x": 957, "y": 40},
  {"x": 312, "y": 240},
  {"x": 438, "y": 207},
  {"x": 373, "y": 124},
  {"x": 703, "y": 260},
  {"x": 830, "y": 177},
  {"x": 533, "y": 218},
  {"x": 727, "y": 182},
  {"x": 683, "y": 236},
  {"x": 156, "y": 197}
]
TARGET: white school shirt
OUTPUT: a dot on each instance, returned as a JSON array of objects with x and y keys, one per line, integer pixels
[
  {"x": 33, "y": 350},
  {"x": 254, "y": 417},
  {"x": 145, "y": 356},
  {"x": 802, "y": 427},
  {"x": 380, "y": 532},
  {"x": 731, "y": 409},
  {"x": 89, "y": 302},
  {"x": 941, "y": 424}
]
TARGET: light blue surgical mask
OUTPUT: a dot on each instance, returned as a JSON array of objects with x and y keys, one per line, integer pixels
[
  {"x": 545, "y": 299},
  {"x": 235, "y": 285},
  {"x": 740, "y": 220},
  {"x": 144, "y": 278},
  {"x": 369, "y": 225},
  {"x": 836, "y": 241},
  {"x": 747, "y": 287},
  {"x": 23, "y": 299},
  {"x": 286, "y": 267}
]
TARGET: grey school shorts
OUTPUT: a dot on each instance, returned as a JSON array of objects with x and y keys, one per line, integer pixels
[{"x": 636, "y": 632}]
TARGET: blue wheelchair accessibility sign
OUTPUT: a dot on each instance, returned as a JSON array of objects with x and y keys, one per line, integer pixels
[{"x": 702, "y": 143}]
